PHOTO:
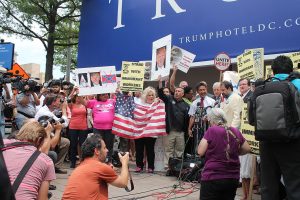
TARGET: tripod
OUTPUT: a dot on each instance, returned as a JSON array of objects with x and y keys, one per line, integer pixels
[{"x": 200, "y": 126}]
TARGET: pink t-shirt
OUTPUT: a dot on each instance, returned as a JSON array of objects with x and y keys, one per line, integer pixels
[
  {"x": 78, "y": 120},
  {"x": 103, "y": 113},
  {"x": 41, "y": 170}
]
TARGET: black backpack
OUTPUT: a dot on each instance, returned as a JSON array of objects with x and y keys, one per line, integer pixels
[{"x": 274, "y": 111}]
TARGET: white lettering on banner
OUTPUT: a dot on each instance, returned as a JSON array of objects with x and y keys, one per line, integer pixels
[
  {"x": 243, "y": 30},
  {"x": 297, "y": 21},
  {"x": 158, "y": 12},
  {"x": 286, "y": 23},
  {"x": 172, "y": 3}
]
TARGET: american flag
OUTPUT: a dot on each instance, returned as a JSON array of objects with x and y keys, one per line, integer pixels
[{"x": 138, "y": 121}]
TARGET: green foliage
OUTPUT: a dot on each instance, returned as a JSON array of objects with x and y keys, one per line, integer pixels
[{"x": 54, "y": 22}]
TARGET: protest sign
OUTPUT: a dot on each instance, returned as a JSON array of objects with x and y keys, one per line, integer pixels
[
  {"x": 251, "y": 64},
  {"x": 268, "y": 72},
  {"x": 161, "y": 58},
  {"x": 132, "y": 76},
  {"x": 147, "y": 74},
  {"x": 96, "y": 80},
  {"x": 248, "y": 131},
  {"x": 233, "y": 78},
  {"x": 295, "y": 57},
  {"x": 222, "y": 61},
  {"x": 182, "y": 58}
]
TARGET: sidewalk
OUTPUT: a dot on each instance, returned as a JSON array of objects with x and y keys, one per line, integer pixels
[{"x": 147, "y": 186}]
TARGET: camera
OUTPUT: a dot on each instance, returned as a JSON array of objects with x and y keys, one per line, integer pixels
[
  {"x": 6, "y": 78},
  {"x": 116, "y": 160},
  {"x": 43, "y": 120},
  {"x": 27, "y": 85}
]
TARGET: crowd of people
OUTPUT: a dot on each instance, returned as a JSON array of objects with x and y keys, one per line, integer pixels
[{"x": 57, "y": 122}]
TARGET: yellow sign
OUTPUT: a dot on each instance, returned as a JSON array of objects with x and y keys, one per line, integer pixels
[
  {"x": 251, "y": 64},
  {"x": 268, "y": 72},
  {"x": 248, "y": 131},
  {"x": 132, "y": 76},
  {"x": 295, "y": 57}
]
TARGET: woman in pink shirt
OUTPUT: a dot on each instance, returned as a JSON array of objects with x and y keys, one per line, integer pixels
[
  {"x": 103, "y": 110},
  {"x": 77, "y": 127}
]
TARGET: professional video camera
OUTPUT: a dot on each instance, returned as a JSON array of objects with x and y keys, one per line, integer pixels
[
  {"x": 27, "y": 85},
  {"x": 6, "y": 78},
  {"x": 43, "y": 120}
]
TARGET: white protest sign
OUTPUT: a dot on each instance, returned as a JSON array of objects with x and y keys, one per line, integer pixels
[
  {"x": 161, "y": 57},
  {"x": 96, "y": 80},
  {"x": 182, "y": 58},
  {"x": 222, "y": 61}
]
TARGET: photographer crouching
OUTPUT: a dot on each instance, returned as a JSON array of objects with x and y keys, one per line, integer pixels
[
  {"x": 59, "y": 144},
  {"x": 28, "y": 170},
  {"x": 89, "y": 180},
  {"x": 26, "y": 102}
]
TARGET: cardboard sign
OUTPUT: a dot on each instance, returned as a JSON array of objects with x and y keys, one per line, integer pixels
[
  {"x": 132, "y": 76},
  {"x": 96, "y": 80},
  {"x": 161, "y": 58},
  {"x": 182, "y": 58},
  {"x": 251, "y": 64},
  {"x": 248, "y": 131}
]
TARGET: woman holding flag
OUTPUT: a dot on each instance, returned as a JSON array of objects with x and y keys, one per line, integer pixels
[{"x": 146, "y": 123}]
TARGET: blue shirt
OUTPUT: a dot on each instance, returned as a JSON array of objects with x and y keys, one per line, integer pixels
[{"x": 296, "y": 82}]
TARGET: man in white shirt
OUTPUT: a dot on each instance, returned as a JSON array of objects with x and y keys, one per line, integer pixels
[
  {"x": 232, "y": 106},
  {"x": 52, "y": 102}
]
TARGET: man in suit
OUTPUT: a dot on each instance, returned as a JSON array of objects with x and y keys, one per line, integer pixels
[
  {"x": 232, "y": 106},
  {"x": 244, "y": 87}
]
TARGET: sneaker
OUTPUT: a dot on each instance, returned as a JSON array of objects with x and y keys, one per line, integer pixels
[
  {"x": 138, "y": 169},
  {"x": 150, "y": 170},
  {"x": 60, "y": 171},
  {"x": 168, "y": 173},
  {"x": 52, "y": 187}
]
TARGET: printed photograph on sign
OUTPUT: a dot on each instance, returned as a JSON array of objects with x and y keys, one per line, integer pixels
[
  {"x": 147, "y": 74},
  {"x": 83, "y": 80},
  {"x": 181, "y": 58},
  {"x": 161, "y": 57},
  {"x": 96, "y": 80}
]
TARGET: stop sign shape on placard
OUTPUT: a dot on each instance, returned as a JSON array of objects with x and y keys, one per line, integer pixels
[{"x": 222, "y": 61}]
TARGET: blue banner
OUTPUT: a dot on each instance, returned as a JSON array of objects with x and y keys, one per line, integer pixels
[
  {"x": 6, "y": 55},
  {"x": 112, "y": 31}
]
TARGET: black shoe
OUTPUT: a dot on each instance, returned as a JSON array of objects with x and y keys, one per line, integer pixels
[
  {"x": 49, "y": 195},
  {"x": 72, "y": 165},
  {"x": 169, "y": 173},
  {"x": 60, "y": 171},
  {"x": 52, "y": 187}
]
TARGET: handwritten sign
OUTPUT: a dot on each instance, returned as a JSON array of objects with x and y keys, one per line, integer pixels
[{"x": 132, "y": 76}]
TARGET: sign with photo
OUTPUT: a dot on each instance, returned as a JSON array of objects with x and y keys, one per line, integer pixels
[
  {"x": 96, "y": 80},
  {"x": 147, "y": 74},
  {"x": 161, "y": 57},
  {"x": 182, "y": 58},
  {"x": 132, "y": 76}
]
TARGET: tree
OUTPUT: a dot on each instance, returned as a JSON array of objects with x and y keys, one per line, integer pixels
[{"x": 46, "y": 20}]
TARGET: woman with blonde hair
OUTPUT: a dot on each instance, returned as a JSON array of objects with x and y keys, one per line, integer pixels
[
  {"x": 221, "y": 146},
  {"x": 148, "y": 97}
]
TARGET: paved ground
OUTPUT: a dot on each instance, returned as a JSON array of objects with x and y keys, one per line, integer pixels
[{"x": 147, "y": 186}]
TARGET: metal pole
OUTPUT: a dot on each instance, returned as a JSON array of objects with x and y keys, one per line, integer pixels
[{"x": 68, "y": 68}]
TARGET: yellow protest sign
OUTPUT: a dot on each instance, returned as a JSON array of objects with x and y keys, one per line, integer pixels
[
  {"x": 268, "y": 72},
  {"x": 132, "y": 76},
  {"x": 251, "y": 64},
  {"x": 295, "y": 57},
  {"x": 248, "y": 131}
]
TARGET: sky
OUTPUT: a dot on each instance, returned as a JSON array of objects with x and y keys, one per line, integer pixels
[{"x": 31, "y": 51}]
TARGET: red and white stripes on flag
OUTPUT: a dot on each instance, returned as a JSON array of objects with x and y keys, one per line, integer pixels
[{"x": 148, "y": 121}]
